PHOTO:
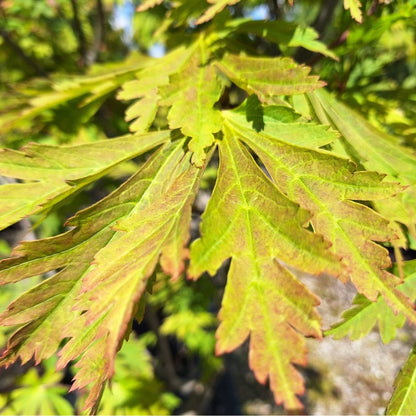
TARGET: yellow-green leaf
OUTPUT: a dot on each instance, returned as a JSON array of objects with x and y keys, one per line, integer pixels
[{"x": 249, "y": 220}]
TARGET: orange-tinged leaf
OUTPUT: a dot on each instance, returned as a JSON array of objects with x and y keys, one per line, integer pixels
[
  {"x": 327, "y": 186},
  {"x": 52, "y": 173},
  {"x": 106, "y": 260},
  {"x": 249, "y": 220}
]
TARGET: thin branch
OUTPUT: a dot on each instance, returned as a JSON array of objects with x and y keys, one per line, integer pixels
[
  {"x": 99, "y": 34},
  {"x": 79, "y": 33},
  {"x": 273, "y": 9},
  {"x": 22, "y": 54}
]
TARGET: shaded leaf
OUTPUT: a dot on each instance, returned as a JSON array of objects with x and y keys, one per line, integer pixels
[
  {"x": 249, "y": 220},
  {"x": 284, "y": 34}
]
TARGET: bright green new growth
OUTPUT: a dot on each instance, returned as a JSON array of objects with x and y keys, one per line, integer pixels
[{"x": 292, "y": 192}]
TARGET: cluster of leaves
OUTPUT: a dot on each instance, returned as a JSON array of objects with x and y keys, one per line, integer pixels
[{"x": 303, "y": 182}]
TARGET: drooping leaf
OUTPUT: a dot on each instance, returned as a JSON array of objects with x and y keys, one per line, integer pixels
[
  {"x": 192, "y": 94},
  {"x": 51, "y": 173},
  {"x": 375, "y": 150},
  {"x": 249, "y": 220},
  {"x": 105, "y": 261},
  {"x": 268, "y": 77},
  {"x": 328, "y": 187},
  {"x": 354, "y": 6},
  {"x": 403, "y": 400}
]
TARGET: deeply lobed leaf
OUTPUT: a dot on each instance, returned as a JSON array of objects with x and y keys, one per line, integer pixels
[
  {"x": 249, "y": 220},
  {"x": 105, "y": 262},
  {"x": 52, "y": 173},
  {"x": 326, "y": 186}
]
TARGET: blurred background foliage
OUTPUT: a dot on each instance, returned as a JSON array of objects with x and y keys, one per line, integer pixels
[{"x": 62, "y": 62}]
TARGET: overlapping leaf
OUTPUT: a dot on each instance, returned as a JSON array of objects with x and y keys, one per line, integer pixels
[
  {"x": 268, "y": 77},
  {"x": 249, "y": 220},
  {"x": 284, "y": 34},
  {"x": 327, "y": 186},
  {"x": 51, "y": 173},
  {"x": 104, "y": 264},
  {"x": 403, "y": 400},
  {"x": 192, "y": 94},
  {"x": 359, "y": 320},
  {"x": 146, "y": 88},
  {"x": 375, "y": 150},
  {"x": 87, "y": 90}
]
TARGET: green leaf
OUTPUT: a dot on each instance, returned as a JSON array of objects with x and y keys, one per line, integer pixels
[
  {"x": 268, "y": 77},
  {"x": 354, "y": 6},
  {"x": 52, "y": 173},
  {"x": 192, "y": 94},
  {"x": 147, "y": 85},
  {"x": 328, "y": 187},
  {"x": 403, "y": 400},
  {"x": 105, "y": 261},
  {"x": 284, "y": 34},
  {"x": 359, "y": 320},
  {"x": 85, "y": 89},
  {"x": 375, "y": 150},
  {"x": 249, "y": 220}
]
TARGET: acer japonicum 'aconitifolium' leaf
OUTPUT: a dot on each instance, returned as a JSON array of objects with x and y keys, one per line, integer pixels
[
  {"x": 52, "y": 173},
  {"x": 249, "y": 220},
  {"x": 327, "y": 186},
  {"x": 105, "y": 262},
  {"x": 363, "y": 316}
]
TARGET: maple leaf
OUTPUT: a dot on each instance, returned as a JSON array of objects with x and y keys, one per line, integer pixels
[
  {"x": 284, "y": 34},
  {"x": 249, "y": 220},
  {"x": 403, "y": 399},
  {"x": 329, "y": 187},
  {"x": 375, "y": 150},
  {"x": 52, "y": 173},
  {"x": 354, "y": 6},
  {"x": 192, "y": 94},
  {"x": 88, "y": 90},
  {"x": 105, "y": 261},
  {"x": 363, "y": 316},
  {"x": 268, "y": 77},
  {"x": 146, "y": 87},
  {"x": 217, "y": 7}
]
